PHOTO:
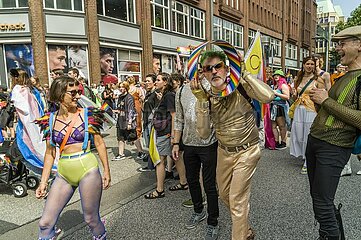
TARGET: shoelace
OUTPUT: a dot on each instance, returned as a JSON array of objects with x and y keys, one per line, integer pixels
[{"x": 209, "y": 231}]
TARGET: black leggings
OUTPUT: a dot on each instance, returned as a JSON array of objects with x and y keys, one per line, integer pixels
[{"x": 324, "y": 165}]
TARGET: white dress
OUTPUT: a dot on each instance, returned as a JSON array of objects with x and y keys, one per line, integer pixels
[{"x": 302, "y": 121}]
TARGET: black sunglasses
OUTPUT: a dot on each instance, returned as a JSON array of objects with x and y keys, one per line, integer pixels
[
  {"x": 73, "y": 93},
  {"x": 217, "y": 66}
]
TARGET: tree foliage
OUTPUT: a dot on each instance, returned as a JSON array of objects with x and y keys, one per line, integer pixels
[{"x": 353, "y": 20}]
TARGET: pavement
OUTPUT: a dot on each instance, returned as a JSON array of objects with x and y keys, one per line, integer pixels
[{"x": 280, "y": 205}]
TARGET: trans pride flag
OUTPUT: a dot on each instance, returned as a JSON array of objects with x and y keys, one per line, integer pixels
[{"x": 29, "y": 138}]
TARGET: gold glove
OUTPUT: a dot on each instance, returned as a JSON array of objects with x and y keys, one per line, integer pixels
[{"x": 200, "y": 94}]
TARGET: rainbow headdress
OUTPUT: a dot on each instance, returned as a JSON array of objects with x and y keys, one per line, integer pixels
[{"x": 234, "y": 64}]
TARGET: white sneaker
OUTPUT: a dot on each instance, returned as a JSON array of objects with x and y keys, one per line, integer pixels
[
  {"x": 359, "y": 172},
  {"x": 346, "y": 172}
]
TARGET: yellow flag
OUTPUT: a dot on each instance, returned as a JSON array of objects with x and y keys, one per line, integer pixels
[
  {"x": 153, "y": 151},
  {"x": 253, "y": 57}
]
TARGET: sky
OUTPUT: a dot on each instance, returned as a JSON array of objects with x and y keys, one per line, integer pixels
[{"x": 347, "y": 6}]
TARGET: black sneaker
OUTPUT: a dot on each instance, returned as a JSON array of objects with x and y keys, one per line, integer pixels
[
  {"x": 141, "y": 155},
  {"x": 281, "y": 146},
  {"x": 119, "y": 157}
]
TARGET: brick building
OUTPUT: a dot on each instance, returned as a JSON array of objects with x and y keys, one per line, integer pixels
[{"x": 119, "y": 38}]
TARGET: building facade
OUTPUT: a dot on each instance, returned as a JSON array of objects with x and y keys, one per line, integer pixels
[
  {"x": 328, "y": 16},
  {"x": 109, "y": 40}
]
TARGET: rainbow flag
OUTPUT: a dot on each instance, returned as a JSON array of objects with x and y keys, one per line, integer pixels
[{"x": 105, "y": 107}]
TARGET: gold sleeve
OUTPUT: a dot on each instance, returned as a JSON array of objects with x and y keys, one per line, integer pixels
[
  {"x": 257, "y": 89},
  {"x": 203, "y": 119}
]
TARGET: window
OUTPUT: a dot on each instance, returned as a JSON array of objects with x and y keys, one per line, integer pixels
[
  {"x": 228, "y": 31},
  {"x": 251, "y": 36},
  {"x": 129, "y": 64},
  {"x": 217, "y": 28},
  {"x": 238, "y": 36},
  {"x": 276, "y": 46},
  {"x": 119, "y": 9},
  {"x": 304, "y": 53},
  {"x": 13, "y": 3},
  {"x": 180, "y": 16},
  {"x": 197, "y": 23},
  {"x": 71, "y": 5},
  {"x": 160, "y": 14},
  {"x": 291, "y": 51}
]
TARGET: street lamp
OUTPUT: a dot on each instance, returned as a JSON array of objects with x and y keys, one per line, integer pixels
[
  {"x": 268, "y": 49},
  {"x": 323, "y": 35}
]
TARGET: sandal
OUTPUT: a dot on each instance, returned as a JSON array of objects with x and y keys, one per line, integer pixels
[
  {"x": 179, "y": 186},
  {"x": 251, "y": 234},
  {"x": 155, "y": 194}
]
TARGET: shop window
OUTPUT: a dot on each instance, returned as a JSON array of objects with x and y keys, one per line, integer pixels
[
  {"x": 70, "y": 5},
  {"x": 119, "y": 9},
  {"x": 129, "y": 64},
  {"x": 160, "y": 14},
  {"x": 13, "y": 3}
]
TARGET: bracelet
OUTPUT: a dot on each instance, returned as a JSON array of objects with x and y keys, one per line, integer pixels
[{"x": 175, "y": 144}]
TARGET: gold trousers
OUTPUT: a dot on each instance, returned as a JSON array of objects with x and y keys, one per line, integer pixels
[{"x": 234, "y": 174}]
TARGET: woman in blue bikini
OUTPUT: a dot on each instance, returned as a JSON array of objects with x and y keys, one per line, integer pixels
[{"x": 68, "y": 129}]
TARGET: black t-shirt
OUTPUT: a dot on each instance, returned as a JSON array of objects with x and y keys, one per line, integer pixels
[
  {"x": 164, "y": 110},
  {"x": 150, "y": 102}
]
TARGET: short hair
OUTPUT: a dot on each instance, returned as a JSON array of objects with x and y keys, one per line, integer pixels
[
  {"x": 74, "y": 70},
  {"x": 213, "y": 54},
  {"x": 59, "y": 87},
  {"x": 177, "y": 77},
  {"x": 320, "y": 59},
  {"x": 125, "y": 85},
  {"x": 56, "y": 47},
  {"x": 152, "y": 76},
  {"x": 105, "y": 51}
]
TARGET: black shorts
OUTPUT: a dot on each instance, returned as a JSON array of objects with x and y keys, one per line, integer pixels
[
  {"x": 280, "y": 111},
  {"x": 126, "y": 135},
  {"x": 10, "y": 120}
]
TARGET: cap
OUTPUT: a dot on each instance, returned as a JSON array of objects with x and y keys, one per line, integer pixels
[
  {"x": 279, "y": 72},
  {"x": 351, "y": 32}
]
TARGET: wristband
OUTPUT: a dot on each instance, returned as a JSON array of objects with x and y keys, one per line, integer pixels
[{"x": 175, "y": 144}]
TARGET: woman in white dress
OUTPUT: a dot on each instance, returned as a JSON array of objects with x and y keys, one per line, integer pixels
[{"x": 305, "y": 110}]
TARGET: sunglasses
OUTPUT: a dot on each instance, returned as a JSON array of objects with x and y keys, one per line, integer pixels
[
  {"x": 341, "y": 43},
  {"x": 73, "y": 93},
  {"x": 217, "y": 67}
]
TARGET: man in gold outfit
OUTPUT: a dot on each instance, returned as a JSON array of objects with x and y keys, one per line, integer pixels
[{"x": 234, "y": 121}]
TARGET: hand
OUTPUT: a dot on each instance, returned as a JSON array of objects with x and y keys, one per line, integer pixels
[
  {"x": 198, "y": 90},
  {"x": 106, "y": 180},
  {"x": 129, "y": 126},
  {"x": 318, "y": 96},
  {"x": 41, "y": 190},
  {"x": 275, "y": 92},
  {"x": 175, "y": 152}
]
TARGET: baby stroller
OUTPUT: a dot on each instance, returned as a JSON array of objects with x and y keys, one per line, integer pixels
[{"x": 13, "y": 171}]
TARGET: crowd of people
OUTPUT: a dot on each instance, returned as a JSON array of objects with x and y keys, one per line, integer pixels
[{"x": 213, "y": 141}]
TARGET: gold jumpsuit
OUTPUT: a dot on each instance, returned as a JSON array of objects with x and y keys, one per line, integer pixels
[{"x": 238, "y": 150}]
